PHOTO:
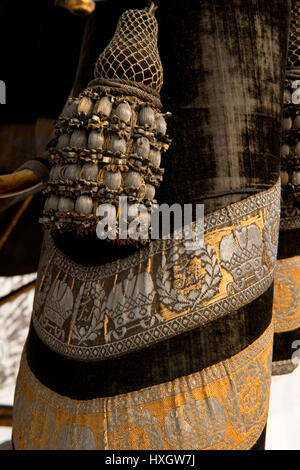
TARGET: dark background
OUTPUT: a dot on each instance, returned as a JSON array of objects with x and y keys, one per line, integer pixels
[{"x": 40, "y": 48}]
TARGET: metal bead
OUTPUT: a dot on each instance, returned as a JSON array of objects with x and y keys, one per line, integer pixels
[
  {"x": 95, "y": 119},
  {"x": 284, "y": 176},
  {"x": 296, "y": 178},
  {"x": 297, "y": 149},
  {"x": 287, "y": 123},
  {"x": 113, "y": 180},
  {"x": 149, "y": 191},
  {"x": 117, "y": 144},
  {"x": 96, "y": 140},
  {"x": 297, "y": 122},
  {"x": 56, "y": 172},
  {"x": 84, "y": 205},
  {"x": 155, "y": 157},
  {"x": 85, "y": 106},
  {"x": 52, "y": 173},
  {"x": 65, "y": 204},
  {"x": 161, "y": 125},
  {"x": 51, "y": 203},
  {"x": 70, "y": 109},
  {"x": 287, "y": 97},
  {"x": 295, "y": 96},
  {"x": 63, "y": 141},
  {"x": 72, "y": 172},
  {"x": 103, "y": 106},
  {"x": 123, "y": 111},
  {"x": 78, "y": 139},
  {"x": 147, "y": 116},
  {"x": 142, "y": 147},
  {"x": 90, "y": 172},
  {"x": 285, "y": 149},
  {"x": 133, "y": 179}
]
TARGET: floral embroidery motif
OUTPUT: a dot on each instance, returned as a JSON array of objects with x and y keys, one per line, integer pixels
[
  {"x": 39, "y": 422},
  {"x": 179, "y": 283},
  {"x": 197, "y": 425},
  {"x": 148, "y": 426},
  {"x": 224, "y": 406},
  {"x": 161, "y": 291},
  {"x": 74, "y": 437},
  {"x": 245, "y": 405}
]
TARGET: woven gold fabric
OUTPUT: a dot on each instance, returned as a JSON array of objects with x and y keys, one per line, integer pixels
[
  {"x": 286, "y": 305},
  {"x": 224, "y": 406}
]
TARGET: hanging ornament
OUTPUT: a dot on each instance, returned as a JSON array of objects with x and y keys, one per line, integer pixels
[{"x": 111, "y": 137}]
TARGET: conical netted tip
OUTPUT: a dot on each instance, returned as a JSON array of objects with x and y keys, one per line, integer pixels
[
  {"x": 132, "y": 54},
  {"x": 294, "y": 37}
]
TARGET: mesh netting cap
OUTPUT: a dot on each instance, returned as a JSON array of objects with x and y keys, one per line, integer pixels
[
  {"x": 132, "y": 55},
  {"x": 294, "y": 37}
]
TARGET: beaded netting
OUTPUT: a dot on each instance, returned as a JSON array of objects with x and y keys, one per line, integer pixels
[
  {"x": 109, "y": 139},
  {"x": 132, "y": 55},
  {"x": 294, "y": 47}
]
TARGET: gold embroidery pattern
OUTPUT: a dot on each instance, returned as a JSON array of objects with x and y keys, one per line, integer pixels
[
  {"x": 161, "y": 291},
  {"x": 222, "y": 407},
  {"x": 286, "y": 304}
]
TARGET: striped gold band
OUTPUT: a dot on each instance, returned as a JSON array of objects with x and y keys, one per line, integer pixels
[{"x": 224, "y": 406}]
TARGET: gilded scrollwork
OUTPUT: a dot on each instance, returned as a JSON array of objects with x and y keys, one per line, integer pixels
[{"x": 179, "y": 283}]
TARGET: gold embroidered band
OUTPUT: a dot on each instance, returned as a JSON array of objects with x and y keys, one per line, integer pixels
[
  {"x": 161, "y": 291},
  {"x": 286, "y": 304},
  {"x": 222, "y": 407}
]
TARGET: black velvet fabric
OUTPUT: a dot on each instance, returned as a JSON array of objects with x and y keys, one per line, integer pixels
[
  {"x": 226, "y": 97},
  {"x": 260, "y": 443},
  {"x": 224, "y": 66},
  {"x": 182, "y": 355},
  {"x": 289, "y": 244},
  {"x": 283, "y": 345}
]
